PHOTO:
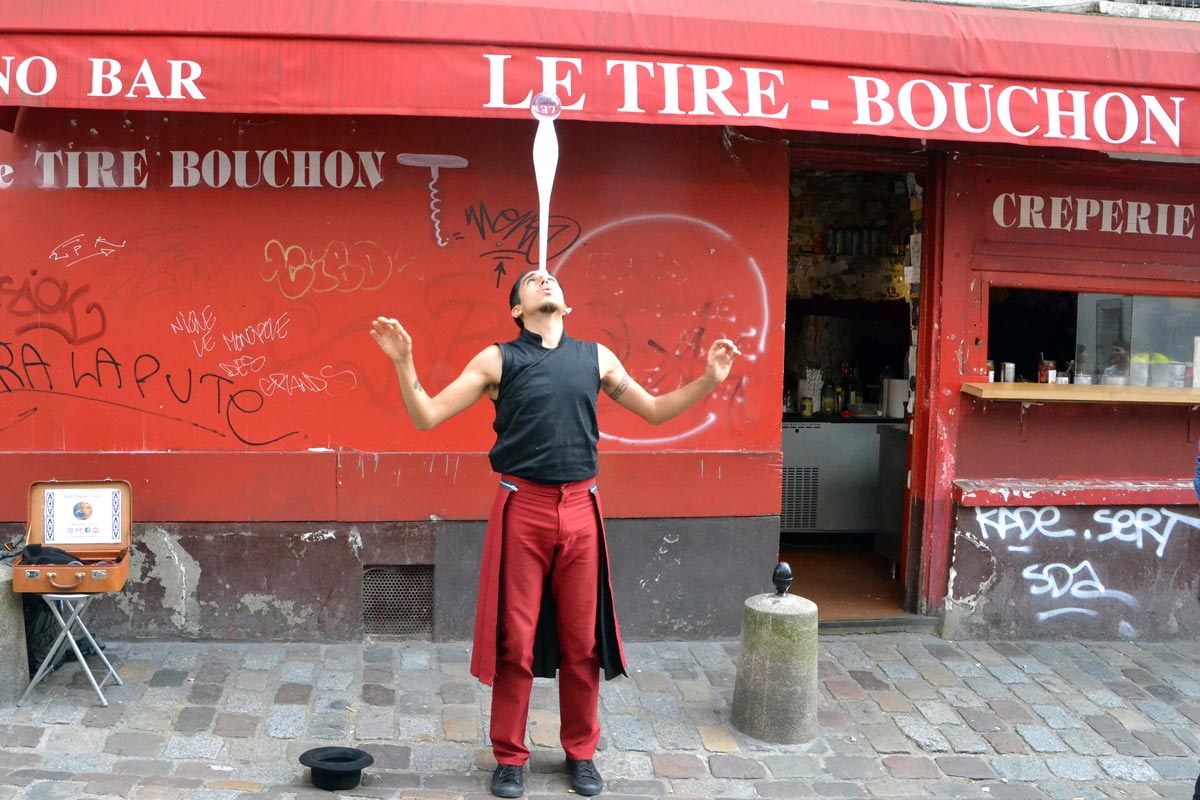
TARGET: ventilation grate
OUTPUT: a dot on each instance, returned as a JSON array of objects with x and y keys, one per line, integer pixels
[
  {"x": 398, "y": 601},
  {"x": 799, "y": 509}
]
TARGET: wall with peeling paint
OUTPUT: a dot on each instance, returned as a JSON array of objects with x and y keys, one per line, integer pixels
[
  {"x": 245, "y": 582},
  {"x": 1087, "y": 572},
  {"x": 673, "y": 578}
]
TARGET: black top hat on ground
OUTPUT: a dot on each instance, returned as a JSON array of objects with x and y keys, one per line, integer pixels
[{"x": 336, "y": 767}]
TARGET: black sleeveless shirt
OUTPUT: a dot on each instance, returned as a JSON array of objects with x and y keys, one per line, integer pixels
[{"x": 546, "y": 429}]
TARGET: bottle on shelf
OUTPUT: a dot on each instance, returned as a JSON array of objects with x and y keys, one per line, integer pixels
[
  {"x": 856, "y": 391},
  {"x": 827, "y": 399},
  {"x": 842, "y": 388}
]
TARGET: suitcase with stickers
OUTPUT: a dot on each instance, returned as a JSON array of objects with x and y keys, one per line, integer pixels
[{"x": 92, "y": 521}]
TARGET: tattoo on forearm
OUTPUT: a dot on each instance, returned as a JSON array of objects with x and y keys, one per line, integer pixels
[
  {"x": 417, "y": 386},
  {"x": 620, "y": 388}
]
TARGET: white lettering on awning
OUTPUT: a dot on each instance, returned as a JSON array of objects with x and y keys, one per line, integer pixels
[{"x": 1021, "y": 111}]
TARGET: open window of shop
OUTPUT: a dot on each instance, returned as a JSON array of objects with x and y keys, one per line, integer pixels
[
  {"x": 1092, "y": 338},
  {"x": 854, "y": 255}
]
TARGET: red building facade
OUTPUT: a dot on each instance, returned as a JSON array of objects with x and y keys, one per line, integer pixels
[{"x": 201, "y": 226}]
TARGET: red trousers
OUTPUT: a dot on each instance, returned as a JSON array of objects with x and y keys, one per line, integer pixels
[{"x": 550, "y": 532}]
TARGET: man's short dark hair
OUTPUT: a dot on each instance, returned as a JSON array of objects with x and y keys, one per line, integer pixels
[{"x": 514, "y": 296}]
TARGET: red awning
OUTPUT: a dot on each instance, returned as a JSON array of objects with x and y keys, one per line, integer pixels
[{"x": 885, "y": 67}]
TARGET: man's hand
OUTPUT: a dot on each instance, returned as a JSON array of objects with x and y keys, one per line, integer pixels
[
  {"x": 481, "y": 375},
  {"x": 393, "y": 340},
  {"x": 720, "y": 360}
]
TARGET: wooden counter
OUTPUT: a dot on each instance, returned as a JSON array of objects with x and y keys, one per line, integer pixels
[{"x": 1082, "y": 393}]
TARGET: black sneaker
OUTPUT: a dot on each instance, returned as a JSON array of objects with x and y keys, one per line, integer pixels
[
  {"x": 508, "y": 781},
  {"x": 585, "y": 778}
]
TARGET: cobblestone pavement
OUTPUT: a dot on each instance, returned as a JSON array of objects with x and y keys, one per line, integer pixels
[{"x": 903, "y": 715}]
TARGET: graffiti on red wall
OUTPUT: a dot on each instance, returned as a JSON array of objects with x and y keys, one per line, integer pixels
[
  {"x": 52, "y": 302},
  {"x": 659, "y": 313},
  {"x": 220, "y": 299},
  {"x": 337, "y": 266},
  {"x": 511, "y": 237}
]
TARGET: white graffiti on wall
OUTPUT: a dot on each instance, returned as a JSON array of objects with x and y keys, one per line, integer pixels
[
  {"x": 261, "y": 332},
  {"x": 1129, "y": 525},
  {"x": 1020, "y": 528},
  {"x": 328, "y": 380},
  {"x": 1081, "y": 582},
  {"x": 76, "y": 249},
  {"x": 200, "y": 324},
  {"x": 243, "y": 365},
  {"x": 1124, "y": 525},
  {"x": 1021, "y": 523},
  {"x": 750, "y": 335}
]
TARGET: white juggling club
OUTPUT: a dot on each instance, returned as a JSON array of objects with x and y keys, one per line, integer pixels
[{"x": 545, "y": 108}]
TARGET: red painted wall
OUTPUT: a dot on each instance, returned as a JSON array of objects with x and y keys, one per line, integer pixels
[
  {"x": 1086, "y": 440},
  {"x": 210, "y": 344},
  {"x": 977, "y": 440}
]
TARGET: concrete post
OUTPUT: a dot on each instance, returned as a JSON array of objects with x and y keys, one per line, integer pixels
[
  {"x": 14, "y": 663},
  {"x": 775, "y": 693}
]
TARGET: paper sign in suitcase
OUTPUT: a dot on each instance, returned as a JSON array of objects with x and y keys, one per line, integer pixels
[{"x": 90, "y": 520}]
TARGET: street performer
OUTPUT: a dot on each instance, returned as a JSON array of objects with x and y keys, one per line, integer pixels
[{"x": 545, "y": 599}]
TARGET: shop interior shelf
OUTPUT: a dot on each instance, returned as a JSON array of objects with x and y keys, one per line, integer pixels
[{"x": 1082, "y": 393}]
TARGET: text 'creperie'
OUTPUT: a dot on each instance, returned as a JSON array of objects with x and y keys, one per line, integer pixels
[{"x": 1094, "y": 215}]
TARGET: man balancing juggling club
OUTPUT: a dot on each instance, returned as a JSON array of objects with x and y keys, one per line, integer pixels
[{"x": 545, "y": 600}]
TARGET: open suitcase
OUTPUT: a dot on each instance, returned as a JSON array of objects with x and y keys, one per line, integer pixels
[{"x": 92, "y": 520}]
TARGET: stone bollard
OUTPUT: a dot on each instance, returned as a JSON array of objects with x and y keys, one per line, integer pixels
[
  {"x": 775, "y": 693},
  {"x": 14, "y": 663}
]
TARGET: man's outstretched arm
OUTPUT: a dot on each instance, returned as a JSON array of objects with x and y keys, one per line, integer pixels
[
  {"x": 656, "y": 410},
  {"x": 480, "y": 374}
]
